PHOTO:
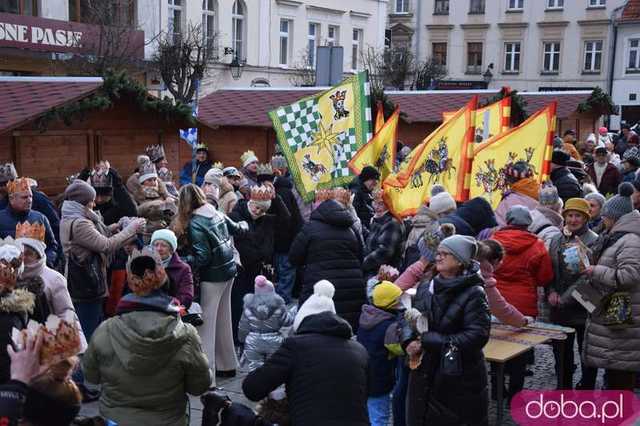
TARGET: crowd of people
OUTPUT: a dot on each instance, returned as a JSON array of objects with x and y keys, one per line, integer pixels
[{"x": 342, "y": 313}]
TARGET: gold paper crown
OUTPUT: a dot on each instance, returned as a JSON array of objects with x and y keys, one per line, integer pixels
[
  {"x": 165, "y": 175},
  {"x": 155, "y": 152},
  {"x": 247, "y": 155},
  {"x": 100, "y": 179},
  {"x": 323, "y": 195},
  {"x": 18, "y": 185},
  {"x": 201, "y": 147},
  {"x": 34, "y": 231},
  {"x": 264, "y": 169},
  {"x": 142, "y": 285},
  {"x": 261, "y": 193},
  {"x": 8, "y": 172},
  {"x": 342, "y": 195},
  {"x": 217, "y": 165}
]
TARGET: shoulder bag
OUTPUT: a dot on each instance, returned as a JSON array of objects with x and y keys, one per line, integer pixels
[{"x": 85, "y": 280}]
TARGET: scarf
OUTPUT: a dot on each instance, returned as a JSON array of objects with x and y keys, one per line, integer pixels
[
  {"x": 165, "y": 262},
  {"x": 528, "y": 187},
  {"x": 72, "y": 210}
]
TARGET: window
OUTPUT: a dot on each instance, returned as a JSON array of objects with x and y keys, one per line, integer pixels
[
  {"x": 237, "y": 29},
  {"x": 439, "y": 53},
  {"x": 356, "y": 48},
  {"x": 597, "y": 3},
  {"x": 387, "y": 39},
  {"x": 333, "y": 35},
  {"x": 592, "y": 55},
  {"x": 402, "y": 6},
  {"x": 108, "y": 12},
  {"x": 512, "y": 57},
  {"x": 474, "y": 58},
  {"x": 209, "y": 26},
  {"x": 285, "y": 46},
  {"x": 20, "y": 7},
  {"x": 515, "y": 4},
  {"x": 551, "y": 60},
  {"x": 312, "y": 37},
  {"x": 441, "y": 7},
  {"x": 476, "y": 6},
  {"x": 555, "y": 4},
  {"x": 175, "y": 18},
  {"x": 634, "y": 55}
]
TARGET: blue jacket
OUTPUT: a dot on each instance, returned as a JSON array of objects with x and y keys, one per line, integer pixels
[
  {"x": 374, "y": 323},
  {"x": 201, "y": 170},
  {"x": 9, "y": 219},
  {"x": 42, "y": 204}
]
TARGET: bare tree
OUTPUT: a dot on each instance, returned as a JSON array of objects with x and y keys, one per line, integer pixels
[
  {"x": 427, "y": 73},
  {"x": 183, "y": 60},
  {"x": 303, "y": 74},
  {"x": 399, "y": 67}
]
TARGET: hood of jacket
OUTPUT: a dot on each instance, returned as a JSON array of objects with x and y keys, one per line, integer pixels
[
  {"x": 145, "y": 341},
  {"x": 552, "y": 216},
  {"x": 514, "y": 240},
  {"x": 262, "y": 306},
  {"x": 18, "y": 301},
  {"x": 326, "y": 323},
  {"x": 225, "y": 186},
  {"x": 541, "y": 222},
  {"x": 424, "y": 217},
  {"x": 372, "y": 316},
  {"x": 333, "y": 213},
  {"x": 628, "y": 223},
  {"x": 478, "y": 213},
  {"x": 469, "y": 278}
]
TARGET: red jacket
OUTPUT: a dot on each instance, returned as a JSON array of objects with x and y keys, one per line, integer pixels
[{"x": 526, "y": 265}]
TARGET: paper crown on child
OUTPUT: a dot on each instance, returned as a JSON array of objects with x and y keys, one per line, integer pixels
[
  {"x": 264, "y": 169},
  {"x": 101, "y": 179},
  {"x": 278, "y": 161},
  {"x": 261, "y": 193},
  {"x": 34, "y": 231},
  {"x": 248, "y": 157},
  {"x": 18, "y": 185},
  {"x": 8, "y": 172},
  {"x": 61, "y": 338},
  {"x": 11, "y": 265},
  {"x": 147, "y": 171},
  {"x": 165, "y": 175},
  {"x": 155, "y": 152},
  {"x": 152, "y": 278}
]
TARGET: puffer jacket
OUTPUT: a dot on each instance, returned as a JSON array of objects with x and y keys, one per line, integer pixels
[
  {"x": 329, "y": 248},
  {"x": 210, "y": 237},
  {"x": 325, "y": 373},
  {"x": 511, "y": 199},
  {"x": 458, "y": 312},
  {"x": 618, "y": 269},
  {"x": 472, "y": 217},
  {"x": 146, "y": 361},
  {"x": 384, "y": 244},
  {"x": 263, "y": 318},
  {"x": 525, "y": 266},
  {"x": 567, "y": 184},
  {"x": 180, "y": 280},
  {"x": 362, "y": 202}
]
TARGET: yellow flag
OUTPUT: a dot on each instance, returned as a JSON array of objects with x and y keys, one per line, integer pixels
[
  {"x": 494, "y": 117},
  {"x": 380, "y": 151},
  {"x": 530, "y": 142},
  {"x": 442, "y": 158}
]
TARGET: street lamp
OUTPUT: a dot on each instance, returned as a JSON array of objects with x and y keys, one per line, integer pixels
[
  {"x": 488, "y": 75},
  {"x": 236, "y": 68}
]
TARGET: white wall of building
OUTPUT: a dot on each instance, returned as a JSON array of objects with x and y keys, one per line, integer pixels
[{"x": 626, "y": 82}]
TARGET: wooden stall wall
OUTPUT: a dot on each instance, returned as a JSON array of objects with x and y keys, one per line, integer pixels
[{"x": 228, "y": 143}]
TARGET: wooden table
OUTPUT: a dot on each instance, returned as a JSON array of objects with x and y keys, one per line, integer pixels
[{"x": 506, "y": 343}]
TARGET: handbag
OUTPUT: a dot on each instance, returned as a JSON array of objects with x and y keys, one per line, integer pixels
[
  {"x": 85, "y": 280},
  {"x": 451, "y": 363}
]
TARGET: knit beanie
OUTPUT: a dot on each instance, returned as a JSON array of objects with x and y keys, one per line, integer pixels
[
  {"x": 430, "y": 240},
  {"x": 369, "y": 172},
  {"x": 442, "y": 202},
  {"x": 596, "y": 196},
  {"x": 320, "y": 301},
  {"x": 386, "y": 295},
  {"x": 548, "y": 195},
  {"x": 560, "y": 157},
  {"x": 462, "y": 247},
  {"x": 230, "y": 171},
  {"x": 80, "y": 192},
  {"x": 519, "y": 215},
  {"x": 619, "y": 205},
  {"x": 213, "y": 177},
  {"x": 167, "y": 236},
  {"x": 262, "y": 285},
  {"x": 579, "y": 205}
]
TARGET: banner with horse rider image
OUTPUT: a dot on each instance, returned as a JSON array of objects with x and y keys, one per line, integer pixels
[
  {"x": 443, "y": 158},
  {"x": 490, "y": 120},
  {"x": 531, "y": 143},
  {"x": 320, "y": 134}
]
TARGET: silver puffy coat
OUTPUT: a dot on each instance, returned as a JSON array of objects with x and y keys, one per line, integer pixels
[{"x": 260, "y": 329}]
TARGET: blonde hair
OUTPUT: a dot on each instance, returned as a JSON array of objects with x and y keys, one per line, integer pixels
[{"x": 190, "y": 198}]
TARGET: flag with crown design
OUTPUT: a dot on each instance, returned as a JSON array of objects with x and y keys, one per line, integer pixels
[{"x": 320, "y": 134}]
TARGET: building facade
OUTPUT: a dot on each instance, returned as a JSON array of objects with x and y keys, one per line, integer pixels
[{"x": 525, "y": 44}]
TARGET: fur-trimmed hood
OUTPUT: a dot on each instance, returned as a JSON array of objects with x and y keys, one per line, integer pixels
[
  {"x": 263, "y": 306},
  {"x": 34, "y": 285},
  {"x": 18, "y": 301},
  {"x": 135, "y": 189}
]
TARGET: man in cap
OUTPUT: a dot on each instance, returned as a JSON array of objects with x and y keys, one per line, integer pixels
[
  {"x": 603, "y": 173},
  {"x": 189, "y": 174},
  {"x": 562, "y": 178}
]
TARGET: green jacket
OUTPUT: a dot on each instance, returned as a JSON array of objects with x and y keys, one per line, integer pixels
[
  {"x": 211, "y": 246},
  {"x": 146, "y": 362}
]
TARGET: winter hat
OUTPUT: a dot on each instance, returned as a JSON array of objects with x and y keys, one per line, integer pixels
[
  {"x": 619, "y": 205},
  {"x": 147, "y": 171},
  {"x": 213, "y": 177},
  {"x": 519, "y": 170},
  {"x": 369, "y": 172},
  {"x": 263, "y": 285},
  {"x": 601, "y": 149},
  {"x": 7, "y": 172},
  {"x": 386, "y": 295},
  {"x": 230, "y": 171},
  {"x": 462, "y": 247},
  {"x": 596, "y": 196},
  {"x": 560, "y": 157},
  {"x": 248, "y": 157},
  {"x": 548, "y": 196},
  {"x": 519, "y": 215},
  {"x": 320, "y": 301},
  {"x": 442, "y": 202},
  {"x": 80, "y": 192},
  {"x": 431, "y": 239},
  {"x": 558, "y": 143},
  {"x": 632, "y": 156},
  {"x": 579, "y": 205},
  {"x": 167, "y": 236},
  {"x": 603, "y": 130}
]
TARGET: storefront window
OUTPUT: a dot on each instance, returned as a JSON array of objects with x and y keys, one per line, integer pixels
[
  {"x": 107, "y": 12},
  {"x": 20, "y": 7}
]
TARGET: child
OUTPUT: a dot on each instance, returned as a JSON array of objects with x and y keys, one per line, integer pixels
[
  {"x": 375, "y": 320},
  {"x": 263, "y": 317}
]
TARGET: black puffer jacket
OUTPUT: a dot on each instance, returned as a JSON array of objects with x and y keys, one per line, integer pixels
[
  {"x": 458, "y": 312},
  {"x": 328, "y": 248},
  {"x": 472, "y": 217},
  {"x": 286, "y": 230},
  {"x": 384, "y": 244},
  {"x": 362, "y": 202},
  {"x": 325, "y": 373},
  {"x": 567, "y": 184}
]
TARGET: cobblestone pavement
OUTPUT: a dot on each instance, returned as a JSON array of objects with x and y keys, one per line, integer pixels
[{"x": 543, "y": 378}]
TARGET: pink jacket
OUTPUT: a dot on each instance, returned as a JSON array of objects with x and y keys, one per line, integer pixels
[
  {"x": 412, "y": 276},
  {"x": 499, "y": 307},
  {"x": 511, "y": 200}
]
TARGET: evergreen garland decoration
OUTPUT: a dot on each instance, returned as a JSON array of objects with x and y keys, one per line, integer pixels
[
  {"x": 518, "y": 105},
  {"x": 598, "y": 103},
  {"x": 114, "y": 87}
]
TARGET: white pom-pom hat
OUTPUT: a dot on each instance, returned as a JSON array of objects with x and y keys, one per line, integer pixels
[{"x": 320, "y": 301}]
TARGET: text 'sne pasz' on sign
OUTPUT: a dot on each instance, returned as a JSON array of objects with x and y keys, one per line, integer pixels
[{"x": 39, "y": 35}]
